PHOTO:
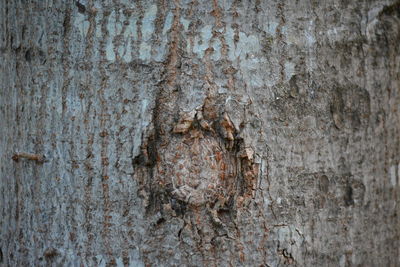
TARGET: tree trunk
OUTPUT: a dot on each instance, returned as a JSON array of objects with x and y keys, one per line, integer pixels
[{"x": 200, "y": 133}]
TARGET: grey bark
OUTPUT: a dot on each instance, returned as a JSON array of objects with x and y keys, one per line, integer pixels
[{"x": 199, "y": 133}]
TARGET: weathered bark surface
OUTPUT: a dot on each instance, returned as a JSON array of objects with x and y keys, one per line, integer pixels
[{"x": 217, "y": 133}]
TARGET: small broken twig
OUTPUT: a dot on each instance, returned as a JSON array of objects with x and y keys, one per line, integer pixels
[{"x": 36, "y": 157}]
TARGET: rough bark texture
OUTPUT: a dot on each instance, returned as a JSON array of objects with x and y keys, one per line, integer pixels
[{"x": 215, "y": 133}]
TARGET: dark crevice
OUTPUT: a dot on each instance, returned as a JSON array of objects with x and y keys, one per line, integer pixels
[
  {"x": 178, "y": 206},
  {"x": 50, "y": 253},
  {"x": 348, "y": 196},
  {"x": 391, "y": 10},
  {"x": 160, "y": 221},
  {"x": 81, "y": 7},
  {"x": 28, "y": 55}
]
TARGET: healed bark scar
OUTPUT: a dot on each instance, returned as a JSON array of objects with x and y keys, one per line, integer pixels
[{"x": 204, "y": 163}]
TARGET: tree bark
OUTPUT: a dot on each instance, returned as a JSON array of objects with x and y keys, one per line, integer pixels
[{"x": 199, "y": 133}]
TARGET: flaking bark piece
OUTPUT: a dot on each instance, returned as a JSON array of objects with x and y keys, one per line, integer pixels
[
  {"x": 228, "y": 128},
  {"x": 185, "y": 122}
]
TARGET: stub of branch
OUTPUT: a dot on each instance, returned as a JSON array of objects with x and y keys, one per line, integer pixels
[{"x": 22, "y": 155}]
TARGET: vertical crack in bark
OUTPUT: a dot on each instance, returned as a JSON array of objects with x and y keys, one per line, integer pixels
[
  {"x": 87, "y": 95},
  {"x": 104, "y": 118},
  {"x": 281, "y": 41},
  {"x": 66, "y": 61}
]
